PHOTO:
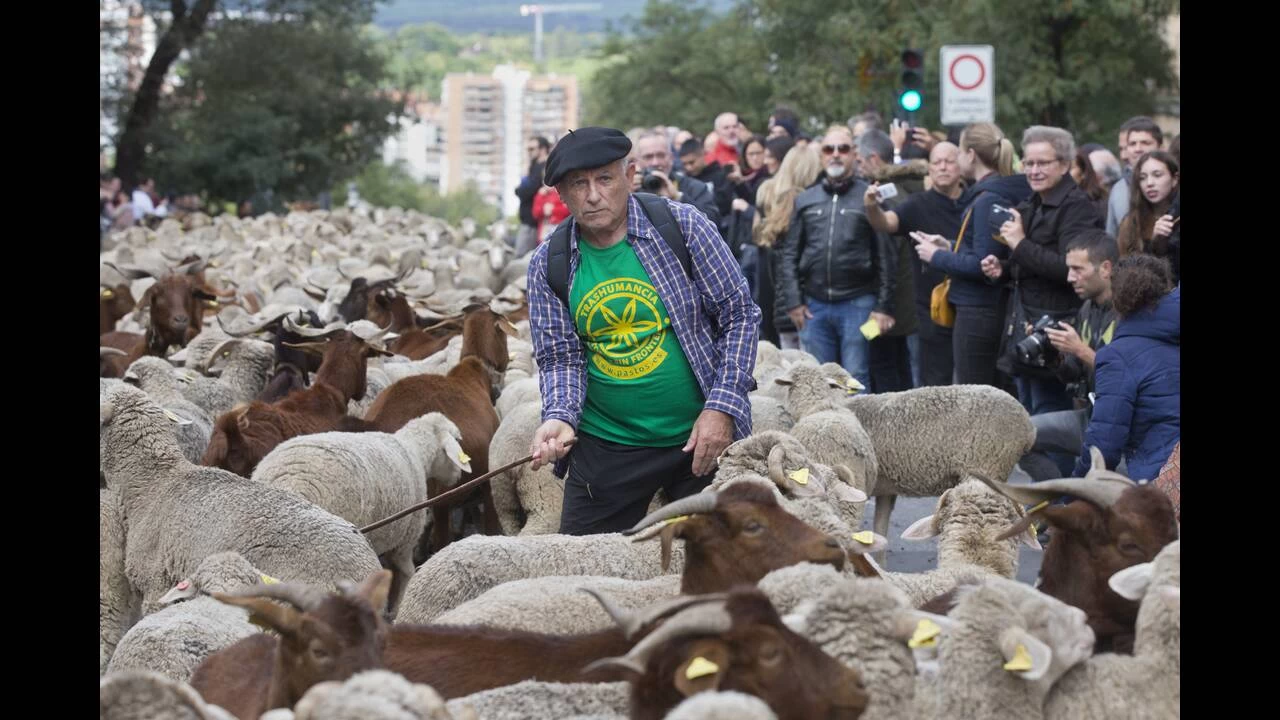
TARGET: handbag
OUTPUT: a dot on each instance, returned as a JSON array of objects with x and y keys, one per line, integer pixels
[{"x": 941, "y": 311}]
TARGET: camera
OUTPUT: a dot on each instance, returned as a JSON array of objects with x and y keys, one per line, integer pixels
[
  {"x": 999, "y": 216},
  {"x": 651, "y": 183},
  {"x": 1036, "y": 350}
]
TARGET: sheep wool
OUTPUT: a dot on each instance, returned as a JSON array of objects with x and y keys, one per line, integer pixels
[
  {"x": 536, "y": 699},
  {"x": 538, "y": 495},
  {"x": 728, "y": 705},
  {"x": 144, "y": 695},
  {"x": 118, "y": 604}
]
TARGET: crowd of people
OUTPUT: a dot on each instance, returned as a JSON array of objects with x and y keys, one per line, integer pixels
[{"x": 912, "y": 258}]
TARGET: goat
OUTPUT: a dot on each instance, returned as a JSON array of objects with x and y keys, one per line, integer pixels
[
  {"x": 1114, "y": 524},
  {"x": 355, "y": 305},
  {"x": 737, "y": 642},
  {"x": 422, "y": 343},
  {"x": 321, "y": 637},
  {"x": 243, "y": 436},
  {"x": 114, "y": 302},
  {"x": 293, "y": 366},
  {"x": 391, "y": 308},
  {"x": 174, "y": 302}
]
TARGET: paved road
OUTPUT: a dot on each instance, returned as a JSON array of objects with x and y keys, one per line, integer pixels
[{"x": 918, "y": 556}]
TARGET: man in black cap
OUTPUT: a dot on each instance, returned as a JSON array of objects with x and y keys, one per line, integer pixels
[{"x": 645, "y": 338}]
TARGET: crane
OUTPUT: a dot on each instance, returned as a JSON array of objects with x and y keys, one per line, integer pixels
[{"x": 537, "y": 11}]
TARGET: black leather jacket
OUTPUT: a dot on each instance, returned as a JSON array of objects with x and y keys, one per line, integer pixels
[{"x": 831, "y": 252}]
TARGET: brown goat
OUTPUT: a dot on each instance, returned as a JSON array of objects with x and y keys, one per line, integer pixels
[
  {"x": 244, "y": 435},
  {"x": 737, "y": 535},
  {"x": 322, "y": 638},
  {"x": 176, "y": 302},
  {"x": 422, "y": 343},
  {"x": 391, "y": 308},
  {"x": 114, "y": 302},
  {"x": 1114, "y": 524},
  {"x": 738, "y": 643}
]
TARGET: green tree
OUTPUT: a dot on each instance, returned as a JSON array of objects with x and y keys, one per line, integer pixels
[
  {"x": 384, "y": 185},
  {"x": 289, "y": 106},
  {"x": 453, "y": 207}
]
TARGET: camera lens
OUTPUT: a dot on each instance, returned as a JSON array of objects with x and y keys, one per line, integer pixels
[{"x": 651, "y": 183}]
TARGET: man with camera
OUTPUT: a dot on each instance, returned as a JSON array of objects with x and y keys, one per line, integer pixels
[
  {"x": 654, "y": 159},
  {"x": 1070, "y": 352}
]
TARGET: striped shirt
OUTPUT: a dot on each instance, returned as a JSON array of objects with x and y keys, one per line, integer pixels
[{"x": 713, "y": 315}]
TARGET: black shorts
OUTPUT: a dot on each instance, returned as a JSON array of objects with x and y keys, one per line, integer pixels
[{"x": 609, "y": 486}]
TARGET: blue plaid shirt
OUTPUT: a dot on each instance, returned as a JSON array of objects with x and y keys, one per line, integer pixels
[{"x": 713, "y": 315}]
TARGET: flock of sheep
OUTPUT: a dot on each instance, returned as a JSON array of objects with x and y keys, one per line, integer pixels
[{"x": 271, "y": 386}]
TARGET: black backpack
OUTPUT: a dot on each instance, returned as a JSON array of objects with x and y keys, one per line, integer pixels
[{"x": 655, "y": 208}]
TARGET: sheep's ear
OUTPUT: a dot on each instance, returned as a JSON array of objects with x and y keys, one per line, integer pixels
[
  {"x": 703, "y": 668},
  {"x": 266, "y": 613},
  {"x": 1024, "y": 653},
  {"x": 176, "y": 418},
  {"x": 843, "y": 488},
  {"x": 182, "y": 591},
  {"x": 1132, "y": 582},
  {"x": 503, "y": 324},
  {"x": 867, "y": 541},
  {"x": 918, "y": 627},
  {"x": 375, "y": 589},
  {"x": 450, "y": 447},
  {"x": 105, "y": 412},
  {"x": 921, "y": 529},
  {"x": 784, "y": 380}
]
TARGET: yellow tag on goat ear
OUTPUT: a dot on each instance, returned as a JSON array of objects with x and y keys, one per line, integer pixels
[
  {"x": 926, "y": 634},
  {"x": 424, "y": 263},
  {"x": 108, "y": 294},
  {"x": 211, "y": 303},
  {"x": 463, "y": 457},
  {"x": 315, "y": 253},
  {"x": 700, "y": 667},
  {"x": 801, "y": 476},
  {"x": 1039, "y": 507},
  {"x": 1021, "y": 659},
  {"x": 268, "y": 580},
  {"x": 866, "y": 537},
  {"x": 674, "y": 520}
]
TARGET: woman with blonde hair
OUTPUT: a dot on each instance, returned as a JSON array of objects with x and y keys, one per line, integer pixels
[{"x": 775, "y": 204}]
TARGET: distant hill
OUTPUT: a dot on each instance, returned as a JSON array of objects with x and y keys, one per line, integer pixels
[{"x": 502, "y": 16}]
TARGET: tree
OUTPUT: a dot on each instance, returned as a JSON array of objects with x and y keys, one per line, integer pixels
[
  {"x": 181, "y": 29},
  {"x": 290, "y": 106}
]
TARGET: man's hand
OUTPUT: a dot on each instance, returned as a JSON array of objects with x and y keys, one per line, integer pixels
[
  {"x": 898, "y": 134},
  {"x": 884, "y": 321},
  {"x": 927, "y": 244},
  {"x": 799, "y": 314},
  {"x": 1011, "y": 232},
  {"x": 871, "y": 198},
  {"x": 1068, "y": 342},
  {"x": 712, "y": 433},
  {"x": 922, "y": 138},
  {"x": 549, "y": 442},
  {"x": 668, "y": 188},
  {"x": 991, "y": 267},
  {"x": 1163, "y": 226}
]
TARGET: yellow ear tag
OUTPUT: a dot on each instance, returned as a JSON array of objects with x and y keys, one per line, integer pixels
[
  {"x": 268, "y": 580},
  {"x": 700, "y": 667},
  {"x": 926, "y": 634},
  {"x": 674, "y": 520},
  {"x": 870, "y": 329},
  {"x": 424, "y": 263},
  {"x": 801, "y": 476},
  {"x": 211, "y": 303},
  {"x": 852, "y": 386},
  {"x": 1021, "y": 659},
  {"x": 108, "y": 294},
  {"x": 1041, "y": 506},
  {"x": 866, "y": 537},
  {"x": 315, "y": 253},
  {"x": 463, "y": 457}
]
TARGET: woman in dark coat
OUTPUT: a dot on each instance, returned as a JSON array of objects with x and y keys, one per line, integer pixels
[{"x": 1138, "y": 405}]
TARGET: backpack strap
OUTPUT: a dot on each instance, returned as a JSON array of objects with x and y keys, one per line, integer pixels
[{"x": 659, "y": 214}]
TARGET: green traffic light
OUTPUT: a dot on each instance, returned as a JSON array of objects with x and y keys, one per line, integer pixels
[{"x": 910, "y": 100}]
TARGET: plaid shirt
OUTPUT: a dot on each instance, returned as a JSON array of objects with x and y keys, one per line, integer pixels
[{"x": 713, "y": 315}]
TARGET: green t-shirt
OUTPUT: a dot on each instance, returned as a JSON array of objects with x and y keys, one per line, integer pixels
[{"x": 640, "y": 387}]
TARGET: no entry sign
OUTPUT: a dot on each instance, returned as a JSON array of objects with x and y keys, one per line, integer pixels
[{"x": 968, "y": 84}]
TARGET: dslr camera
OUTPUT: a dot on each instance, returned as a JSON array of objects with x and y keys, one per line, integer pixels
[
  {"x": 651, "y": 183},
  {"x": 1035, "y": 349}
]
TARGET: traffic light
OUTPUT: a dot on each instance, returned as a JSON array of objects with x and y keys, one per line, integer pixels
[{"x": 911, "y": 96}]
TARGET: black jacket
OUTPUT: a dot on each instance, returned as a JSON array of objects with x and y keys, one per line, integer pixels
[
  {"x": 832, "y": 253},
  {"x": 696, "y": 193},
  {"x": 526, "y": 191},
  {"x": 716, "y": 176},
  {"x": 1039, "y": 265}
]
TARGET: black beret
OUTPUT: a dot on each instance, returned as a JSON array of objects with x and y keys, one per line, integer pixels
[{"x": 588, "y": 147}]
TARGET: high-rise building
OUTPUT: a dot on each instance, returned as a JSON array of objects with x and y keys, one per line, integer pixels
[{"x": 488, "y": 119}]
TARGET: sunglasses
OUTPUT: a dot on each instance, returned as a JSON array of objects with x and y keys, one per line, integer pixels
[{"x": 843, "y": 149}]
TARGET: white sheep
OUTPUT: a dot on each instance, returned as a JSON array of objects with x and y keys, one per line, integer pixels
[
  {"x": 177, "y": 513},
  {"x": 175, "y": 640},
  {"x": 537, "y": 496},
  {"x": 157, "y": 378},
  {"x": 467, "y": 568},
  {"x": 966, "y": 521},
  {"x": 241, "y": 368},
  {"x": 373, "y": 695},
  {"x": 1147, "y": 684},
  {"x": 768, "y": 413},
  {"x": 727, "y": 705},
  {"x": 557, "y": 604},
  {"x": 517, "y": 393},
  {"x": 146, "y": 695},
  {"x": 537, "y": 699},
  {"x": 365, "y": 477},
  {"x": 118, "y": 603}
]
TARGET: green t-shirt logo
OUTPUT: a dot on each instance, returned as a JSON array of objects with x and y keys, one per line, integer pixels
[{"x": 623, "y": 328}]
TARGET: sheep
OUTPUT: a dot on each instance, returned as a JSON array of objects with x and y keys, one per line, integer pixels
[
  {"x": 968, "y": 521},
  {"x": 538, "y": 699},
  {"x": 1115, "y": 523},
  {"x": 376, "y": 380},
  {"x": 537, "y": 495},
  {"x": 176, "y": 513},
  {"x": 240, "y": 367},
  {"x": 769, "y": 413},
  {"x": 831, "y": 434},
  {"x": 156, "y": 377},
  {"x": 118, "y": 603},
  {"x": 1147, "y": 684},
  {"x": 738, "y": 642},
  {"x": 1003, "y": 647},
  {"x": 517, "y": 393},
  {"x": 145, "y": 695},
  {"x": 364, "y": 477},
  {"x": 321, "y": 637},
  {"x": 372, "y": 695},
  {"x": 728, "y": 705},
  {"x": 174, "y": 641}
]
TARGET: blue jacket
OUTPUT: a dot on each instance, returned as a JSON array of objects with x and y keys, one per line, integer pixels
[
  {"x": 968, "y": 285},
  {"x": 1139, "y": 401}
]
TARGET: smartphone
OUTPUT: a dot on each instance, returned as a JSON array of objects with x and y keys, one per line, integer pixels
[
  {"x": 999, "y": 216},
  {"x": 886, "y": 191}
]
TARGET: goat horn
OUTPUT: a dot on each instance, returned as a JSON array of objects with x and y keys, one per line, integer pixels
[
  {"x": 702, "y": 502},
  {"x": 303, "y": 597},
  {"x": 1102, "y": 492},
  {"x": 633, "y": 622},
  {"x": 256, "y": 327},
  {"x": 191, "y": 268},
  {"x": 775, "y": 465},
  {"x": 105, "y": 351},
  {"x": 324, "y": 332},
  {"x": 130, "y": 272},
  {"x": 213, "y": 354},
  {"x": 702, "y": 619}
]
